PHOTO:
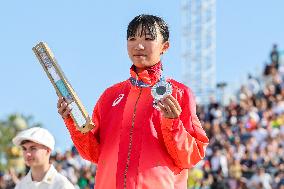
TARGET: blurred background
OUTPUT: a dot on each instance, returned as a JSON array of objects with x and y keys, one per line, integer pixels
[{"x": 229, "y": 53}]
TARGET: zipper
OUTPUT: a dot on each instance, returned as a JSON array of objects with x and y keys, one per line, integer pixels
[{"x": 130, "y": 140}]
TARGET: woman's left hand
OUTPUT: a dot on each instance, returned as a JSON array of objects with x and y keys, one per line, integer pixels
[{"x": 169, "y": 107}]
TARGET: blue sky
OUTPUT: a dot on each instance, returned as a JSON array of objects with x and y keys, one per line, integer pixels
[{"x": 88, "y": 39}]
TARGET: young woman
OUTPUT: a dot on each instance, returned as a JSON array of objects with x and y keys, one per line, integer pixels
[{"x": 137, "y": 144}]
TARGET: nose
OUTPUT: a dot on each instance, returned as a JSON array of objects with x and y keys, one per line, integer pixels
[
  {"x": 139, "y": 46},
  {"x": 27, "y": 154}
]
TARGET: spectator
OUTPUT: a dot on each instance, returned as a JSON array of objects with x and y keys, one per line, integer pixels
[
  {"x": 260, "y": 180},
  {"x": 274, "y": 56},
  {"x": 37, "y": 144}
]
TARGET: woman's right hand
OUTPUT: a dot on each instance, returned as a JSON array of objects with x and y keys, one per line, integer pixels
[{"x": 63, "y": 108}]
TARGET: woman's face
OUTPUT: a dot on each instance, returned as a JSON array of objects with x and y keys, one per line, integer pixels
[{"x": 143, "y": 50}]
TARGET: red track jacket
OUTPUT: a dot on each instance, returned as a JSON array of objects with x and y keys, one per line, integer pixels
[{"x": 134, "y": 145}]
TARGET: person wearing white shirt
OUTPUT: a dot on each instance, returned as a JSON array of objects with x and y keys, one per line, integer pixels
[
  {"x": 261, "y": 178},
  {"x": 37, "y": 144}
]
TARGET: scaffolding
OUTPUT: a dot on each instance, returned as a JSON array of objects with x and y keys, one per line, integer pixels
[{"x": 199, "y": 47}]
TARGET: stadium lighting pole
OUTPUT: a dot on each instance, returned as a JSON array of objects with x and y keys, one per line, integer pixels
[{"x": 198, "y": 46}]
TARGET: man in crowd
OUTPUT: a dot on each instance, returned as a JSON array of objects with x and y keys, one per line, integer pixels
[{"x": 37, "y": 144}]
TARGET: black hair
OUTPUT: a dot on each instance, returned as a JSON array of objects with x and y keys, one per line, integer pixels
[
  {"x": 148, "y": 23},
  {"x": 25, "y": 141}
]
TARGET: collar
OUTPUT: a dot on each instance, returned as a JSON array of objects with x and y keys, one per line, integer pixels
[
  {"x": 47, "y": 178},
  {"x": 148, "y": 77}
]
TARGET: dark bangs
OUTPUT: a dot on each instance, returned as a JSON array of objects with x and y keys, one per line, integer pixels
[{"x": 149, "y": 25}]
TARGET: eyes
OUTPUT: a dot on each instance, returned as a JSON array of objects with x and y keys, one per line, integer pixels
[
  {"x": 149, "y": 39},
  {"x": 31, "y": 149},
  {"x": 146, "y": 38}
]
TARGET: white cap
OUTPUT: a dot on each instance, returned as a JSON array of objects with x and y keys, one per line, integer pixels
[{"x": 35, "y": 134}]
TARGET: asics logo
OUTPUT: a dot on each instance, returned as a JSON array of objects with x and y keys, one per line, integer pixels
[{"x": 118, "y": 99}]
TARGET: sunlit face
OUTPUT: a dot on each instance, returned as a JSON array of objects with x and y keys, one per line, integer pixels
[
  {"x": 35, "y": 154},
  {"x": 144, "y": 51}
]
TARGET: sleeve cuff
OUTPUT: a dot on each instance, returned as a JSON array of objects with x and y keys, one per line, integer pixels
[{"x": 170, "y": 124}]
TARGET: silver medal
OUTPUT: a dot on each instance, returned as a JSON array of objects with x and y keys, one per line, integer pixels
[{"x": 160, "y": 90}]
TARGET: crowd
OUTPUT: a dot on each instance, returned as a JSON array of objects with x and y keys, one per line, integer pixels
[
  {"x": 246, "y": 140},
  {"x": 246, "y": 135}
]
